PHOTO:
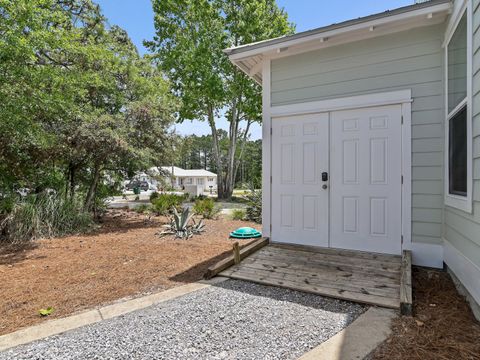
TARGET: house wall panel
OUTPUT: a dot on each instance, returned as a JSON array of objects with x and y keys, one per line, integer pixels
[
  {"x": 461, "y": 229},
  {"x": 406, "y": 60}
]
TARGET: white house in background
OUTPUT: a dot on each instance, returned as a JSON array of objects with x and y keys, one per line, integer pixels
[
  {"x": 371, "y": 135},
  {"x": 181, "y": 178}
]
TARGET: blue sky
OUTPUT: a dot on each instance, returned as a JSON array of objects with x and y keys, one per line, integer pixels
[{"x": 136, "y": 17}]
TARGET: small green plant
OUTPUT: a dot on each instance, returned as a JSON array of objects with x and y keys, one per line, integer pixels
[
  {"x": 143, "y": 208},
  {"x": 183, "y": 225},
  {"x": 199, "y": 197},
  {"x": 206, "y": 208},
  {"x": 238, "y": 214},
  {"x": 254, "y": 206},
  {"x": 154, "y": 196},
  {"x": 164, "y": 203},
  {"x": 45, "y": 312},
  {"x": 7, "y": 204}
]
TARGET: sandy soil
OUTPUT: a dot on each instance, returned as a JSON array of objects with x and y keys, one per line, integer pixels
[{"x": 123, "y": 258}]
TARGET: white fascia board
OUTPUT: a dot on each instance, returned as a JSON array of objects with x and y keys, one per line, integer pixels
[{"x": 445, "y": 7}]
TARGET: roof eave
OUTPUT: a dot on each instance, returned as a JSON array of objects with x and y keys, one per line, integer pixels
[{"x": 316, "y": 39}]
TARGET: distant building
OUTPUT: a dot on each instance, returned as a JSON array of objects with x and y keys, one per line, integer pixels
[{"x": 179, "y": 178}]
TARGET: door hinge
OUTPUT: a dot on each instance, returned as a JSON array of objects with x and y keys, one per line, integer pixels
[
  {"x": 271, "y": 131},
  {"x": 271, "y": 179},
  {"x": 402, "y": 239},
  {"x": 402, "y": 119},
  {"x": 402, "y": 179}
]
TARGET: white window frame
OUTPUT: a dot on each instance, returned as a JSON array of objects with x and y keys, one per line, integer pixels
[{"x": 463, "y": 203}]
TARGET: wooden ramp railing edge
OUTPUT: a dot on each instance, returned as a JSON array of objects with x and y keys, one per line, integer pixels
[{"x": 236, "y": 256}]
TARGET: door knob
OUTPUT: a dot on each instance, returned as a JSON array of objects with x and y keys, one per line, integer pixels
[
  {"x": 324, "y": 176},
  {"x": 324, "y": 186}
]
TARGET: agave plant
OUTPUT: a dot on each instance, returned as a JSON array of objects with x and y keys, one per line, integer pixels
[{"x": 183, "y": 225}]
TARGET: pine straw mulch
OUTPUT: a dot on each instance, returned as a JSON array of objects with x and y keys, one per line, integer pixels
[
  {"x": 443, "y": 326},
  {"x": 123, "y": 258}
]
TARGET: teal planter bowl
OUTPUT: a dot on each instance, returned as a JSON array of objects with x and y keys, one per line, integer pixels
[{"x": 245, "y": 233}]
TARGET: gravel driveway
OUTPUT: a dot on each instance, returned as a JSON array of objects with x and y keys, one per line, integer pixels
[{"x": 231, "y": 320}]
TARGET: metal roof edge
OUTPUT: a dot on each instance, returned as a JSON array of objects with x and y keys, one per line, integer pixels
[{"x": 345, "y": 24}]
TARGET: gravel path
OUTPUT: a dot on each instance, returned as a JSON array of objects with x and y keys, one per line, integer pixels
[{"x": 232, "y": 320}]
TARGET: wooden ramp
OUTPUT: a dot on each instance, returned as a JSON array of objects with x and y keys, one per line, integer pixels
[{"x": 374, "y": 279}]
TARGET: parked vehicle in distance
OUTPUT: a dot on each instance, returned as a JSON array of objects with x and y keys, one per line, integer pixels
[{"x": 143, "y": 185}]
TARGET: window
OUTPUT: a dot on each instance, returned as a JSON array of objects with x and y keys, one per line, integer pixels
[
  {"x": 200, "y": 181},
  {"x": 458, "y": 126},
  {"x": 188, "y": 181},
  {"x": 457, "y": 66},
  {"x": 457, "y": 157},
  {"x": 210, "y": 179}
]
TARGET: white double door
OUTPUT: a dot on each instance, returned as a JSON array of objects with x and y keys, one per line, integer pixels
[{"x": 336, "y": 179}]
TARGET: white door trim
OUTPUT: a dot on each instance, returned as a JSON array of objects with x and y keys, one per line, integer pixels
[
  {"x": 401, "y": 97},
  {"x": 266, "y": 150},
  {"x": 345, "y": 103}
]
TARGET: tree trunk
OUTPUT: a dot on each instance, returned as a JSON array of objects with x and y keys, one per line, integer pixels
[
  {"x": 242, "y": 150},
  {"x": 216, "y": 153},
  {"x": 230, "y": 175},
  {"x": 92, "y": 189},
  {"x": 71, "y": 180}
]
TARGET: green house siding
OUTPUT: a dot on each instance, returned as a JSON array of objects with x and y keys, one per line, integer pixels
[
  {"x": 407, "y": 60},
  {"x": 462, "y": 230}
]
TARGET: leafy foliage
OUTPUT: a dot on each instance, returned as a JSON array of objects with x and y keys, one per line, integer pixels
[
  {"x": 254, "y": 206},
  {"x": 189, "y": 42},
  {"x": 41, "y": 216},
  {"x": 164, "y": 204},
  {"x": 206, "y": 208},
  {"x": 154, "y": 195},
  {"x": 143, "y": 208},
  {"x": 238, "y": 214},
  {"x": 183, "y": 225},
  {"x": 79, "y": 105}
]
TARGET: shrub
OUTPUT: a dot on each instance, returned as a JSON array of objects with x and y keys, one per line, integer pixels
[
  {"x": 154, "y": 196},
  {"x": 143, "y": 208},
  {"x": 206, "y": 208},
  {"x": 238, "y": 199},
  {"x": 42, "y": 216},
  {"x": 254, "y": 207},
  {"x": 183, "y": 225},
  {"x": 238, "y": 214},
  {"x": 164, "y": 203},
  {"x": 199, "y": 197},
  {"x": 6, "y": 204}
]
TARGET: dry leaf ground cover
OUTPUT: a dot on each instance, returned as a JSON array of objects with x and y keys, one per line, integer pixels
[
  {"x": 123, "y": 258},
  {"x": 443, "y": 326}
]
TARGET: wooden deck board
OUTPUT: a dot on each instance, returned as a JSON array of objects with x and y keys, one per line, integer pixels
[
  {"x": 348, "y": 262},
  {"x": 328, "y": 267},
  {"x": 353, "y": 281},
  {"x": 354, "y": 276}
]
